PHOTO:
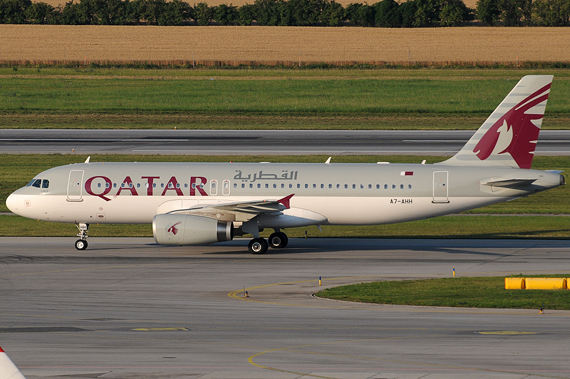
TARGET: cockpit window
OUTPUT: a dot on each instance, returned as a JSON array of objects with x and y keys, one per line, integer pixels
[
  {"x": 38, "y": 183},
  {"x": 35, "y": 183}
]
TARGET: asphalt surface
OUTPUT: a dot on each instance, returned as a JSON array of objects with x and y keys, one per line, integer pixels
[
  {"x": 128, "y": 308},
  {"x": 253, "y": 142}
]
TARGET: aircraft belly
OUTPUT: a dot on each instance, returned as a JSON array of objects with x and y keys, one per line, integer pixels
[{"x": 384, "y": 210}]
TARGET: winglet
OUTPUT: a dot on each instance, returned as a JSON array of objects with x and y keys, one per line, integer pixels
[
  {"x": 286, "y": 201},
  {"x": 8, "y": 369}
]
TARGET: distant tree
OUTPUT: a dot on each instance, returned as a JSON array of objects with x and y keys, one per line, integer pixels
[
  {"x": 70, "y": 14},
  {"x": 454, "y": 13},
  {"x": 226, "y": 14},
  {"x": 360, "y": 14},
  {"x": 488, "y": 11},
  {"x": 14, "y": 11},
  {"x": 408, "y": 12},
  {"x": 511, "y": 11},
  {"x": 135, "y": 10},
  {"x": 41, "y": 13},
  {"x": 268, "y": 12},
  {"x": 551, "y": 12},
  {"x": 387, "y": 14},
  {"x": 175, "y": 13},
  {"x": 246, "y": 14},
  {"x": 427, "y": 13},
  {"x": 333, "y": 13},
  {"x": 304, "y": 12},
  {"x": 203, "y": 14}
]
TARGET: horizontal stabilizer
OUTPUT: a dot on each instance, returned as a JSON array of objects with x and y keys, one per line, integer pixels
[{"x": 510, "y": 183}]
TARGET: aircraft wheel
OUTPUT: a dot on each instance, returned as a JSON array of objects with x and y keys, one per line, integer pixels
[
  {"x": 258, "y": 246},
  {"x": 81, "y": 244},
  {"x": 278, "y": 240}
]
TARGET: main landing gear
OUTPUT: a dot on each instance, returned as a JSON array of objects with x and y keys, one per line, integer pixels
[
  {"x": 277, "y": 240},
  {"x": 81, "y": 243}
]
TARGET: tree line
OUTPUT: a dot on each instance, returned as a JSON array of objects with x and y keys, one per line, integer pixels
[{"x": 385, "y": 13}]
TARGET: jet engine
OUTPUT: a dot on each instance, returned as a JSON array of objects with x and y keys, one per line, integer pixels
[{"x": 182, "y": 229}]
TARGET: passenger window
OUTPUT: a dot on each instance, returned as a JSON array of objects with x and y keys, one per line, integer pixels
[
  {"x": 266, "y": 185},
  {"x": 282, "y": 185},
  {"x": 385, "y": 186},
  {"x": 290, "y": 185},
  {"x": 314, "y": 186},
  {"x": 393, "y": 186},
  {"x": 354, "y": 186},
  {"x": 258, "y": 185},
  {"x": 298, "y": 185},
  {"x": 330, "y": 186},
  {"x": 306, "y": 186},
  {"x": 45, "y": 183},
  {"x": 401, "y": 186},
  {"x": 346, "y": 186},
  {"x": 377, "y": 186},
  {"x": 409, "y": 186},
  {"x": 337, "y": 186}
]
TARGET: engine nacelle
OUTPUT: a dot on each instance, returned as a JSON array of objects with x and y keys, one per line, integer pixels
[{"x": 181, "y": 229}]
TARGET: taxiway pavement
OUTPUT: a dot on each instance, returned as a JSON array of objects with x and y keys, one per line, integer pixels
[
  {"x": 128, "y": 308},
  {"x": 254, "y": 142}
]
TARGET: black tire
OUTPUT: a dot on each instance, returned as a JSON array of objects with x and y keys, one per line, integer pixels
[
  {"x": 81, "y": 244},
  {"x": 278, "y": 240},
  {"x": 258, "y": 246}
]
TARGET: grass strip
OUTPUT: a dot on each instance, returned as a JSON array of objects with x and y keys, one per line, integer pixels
[
  {"x": 478, "y": 292},
  {"x": 483, "y": 227},
  {"x": 345, "y": 102}
]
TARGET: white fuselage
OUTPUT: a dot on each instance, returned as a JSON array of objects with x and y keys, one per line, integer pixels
[{"x": 355, "y": 194}]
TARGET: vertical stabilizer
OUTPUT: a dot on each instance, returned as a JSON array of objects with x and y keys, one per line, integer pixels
[
  {"x": 509, "y": 136},
  {"x": 8, "y": 369}
]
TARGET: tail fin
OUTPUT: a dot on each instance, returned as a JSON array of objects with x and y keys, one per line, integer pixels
[
  {"x": 8, "y": 369},
  {"x": 509, "y": 136}
]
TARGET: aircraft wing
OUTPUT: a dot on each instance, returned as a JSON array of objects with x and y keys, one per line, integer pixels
[{"x": 239, "y": 211}]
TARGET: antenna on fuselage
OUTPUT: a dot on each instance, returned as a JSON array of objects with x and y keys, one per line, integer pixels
[
  {"x": 88, "y": 158},
  {"x": 328, "y": 161}
]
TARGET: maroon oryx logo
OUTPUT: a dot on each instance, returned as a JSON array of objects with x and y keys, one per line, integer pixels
[
  {"x": 515, "y": 133},
  {"x": 173, "y": 229}
]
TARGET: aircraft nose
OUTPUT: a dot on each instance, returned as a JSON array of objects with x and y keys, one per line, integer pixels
[{"x": 12, "y": 203}]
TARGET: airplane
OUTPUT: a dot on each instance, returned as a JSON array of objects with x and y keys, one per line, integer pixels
[
  {"x": 205, "y": 203},
  {"x": 8, "y": 369}
]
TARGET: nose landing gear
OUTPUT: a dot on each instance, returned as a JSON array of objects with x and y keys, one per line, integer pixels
[{"x": 81, "y": 243}]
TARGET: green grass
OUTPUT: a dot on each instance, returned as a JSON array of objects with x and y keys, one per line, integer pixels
[
  {"x": 484, "y": 227},
  {"x": 452, "y": 292},
  {"x": 262, "y": 99}
]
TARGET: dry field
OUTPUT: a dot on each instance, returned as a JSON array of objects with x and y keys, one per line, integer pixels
[
  {"x": 272, "y": 44},
  {"x": 55, "y": 3}
]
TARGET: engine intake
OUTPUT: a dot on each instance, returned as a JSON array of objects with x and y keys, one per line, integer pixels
[{"x": 181, "y": 229}]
